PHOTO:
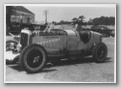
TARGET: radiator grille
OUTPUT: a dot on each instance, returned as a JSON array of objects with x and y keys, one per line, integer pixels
[{"x": 24, "y": 39}]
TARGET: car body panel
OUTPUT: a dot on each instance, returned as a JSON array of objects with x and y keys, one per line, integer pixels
[
  {"x": 52, "y": 44},
  {"x": 60, "y": 44}
]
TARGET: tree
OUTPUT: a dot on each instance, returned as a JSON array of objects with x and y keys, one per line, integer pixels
[
  {"x": 103, "y": 21},
  {"x": 61, "y": 22},
  {"x": 89, "y": 22},
  {"x": 53, "y": 22},
  {"x": 74, "y": 20},
  {"x": 81, "y": 19}
]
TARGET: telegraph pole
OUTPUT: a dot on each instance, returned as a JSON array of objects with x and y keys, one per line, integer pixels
[{"x": 45, "y": 13}]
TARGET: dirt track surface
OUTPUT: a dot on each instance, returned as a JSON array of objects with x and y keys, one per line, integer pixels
[{"x": 75, "y": 70}]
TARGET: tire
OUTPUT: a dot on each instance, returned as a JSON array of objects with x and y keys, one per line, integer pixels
[
  {"x": 99, "y": 52},
  {"x": 33, "y": 58}
]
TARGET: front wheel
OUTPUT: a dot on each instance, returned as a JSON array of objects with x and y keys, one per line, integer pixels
[
  {"x": 33, "y": 58},
  {"x": 99, "y": 52}
]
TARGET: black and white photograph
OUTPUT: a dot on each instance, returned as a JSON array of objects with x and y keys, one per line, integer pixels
[{"x": 59, "y": 43}]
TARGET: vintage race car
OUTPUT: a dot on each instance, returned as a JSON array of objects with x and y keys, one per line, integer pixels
[{"x": 38, "y": 48}]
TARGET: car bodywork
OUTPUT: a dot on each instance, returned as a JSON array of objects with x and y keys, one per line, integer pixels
[
  {"x": 70, "y": 43},
  {"x": 63, "y": 42},
  {"x": 35, "y": 48}
]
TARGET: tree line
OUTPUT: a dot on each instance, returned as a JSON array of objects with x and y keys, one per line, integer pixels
[{"x": 103, "y": 20}]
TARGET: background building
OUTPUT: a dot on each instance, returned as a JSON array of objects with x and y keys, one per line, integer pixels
[
  {"x": 22, "y": 15},
  {"x": 16, "y": 16}
]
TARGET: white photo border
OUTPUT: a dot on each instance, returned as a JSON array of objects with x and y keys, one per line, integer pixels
[{"x": 57, "y": 5}]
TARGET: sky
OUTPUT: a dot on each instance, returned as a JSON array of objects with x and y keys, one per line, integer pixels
[{"x": 66, "y": 13}]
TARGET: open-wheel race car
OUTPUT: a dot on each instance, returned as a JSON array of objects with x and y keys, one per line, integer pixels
[{"x": 37, "y": 49}]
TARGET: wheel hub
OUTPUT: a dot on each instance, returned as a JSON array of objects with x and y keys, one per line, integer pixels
[
  {"x": 101, "y": 52},
  {"x": 36, "y": 59}
]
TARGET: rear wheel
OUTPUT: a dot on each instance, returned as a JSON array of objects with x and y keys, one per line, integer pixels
[
  {"x": 33, "y": 58},
  {"x": 99, "y": 52}
]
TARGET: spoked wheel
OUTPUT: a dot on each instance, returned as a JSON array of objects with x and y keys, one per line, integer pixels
[
  {"x": 99, "y": 52},
  {"x": 33, "y": 58}
]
